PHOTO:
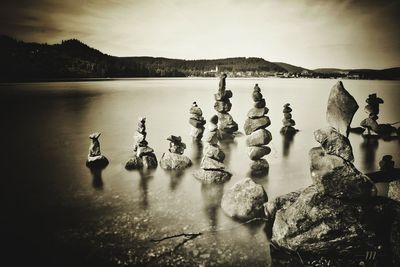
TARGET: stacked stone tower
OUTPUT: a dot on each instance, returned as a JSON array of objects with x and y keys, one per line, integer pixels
[
  {"x": 174, "y": 158},
  {"x": 259, "y": 137},
  {"x": 287, "y": 121},
  {"x": 223, "y": 105},
  {"x": 144, "y": 156},
  {"x": 372, "y": 109},
  {"x": 197, "y": 122}
]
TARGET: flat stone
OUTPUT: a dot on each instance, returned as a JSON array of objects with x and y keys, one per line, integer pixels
[
  {"x": 212, "y": 176},
  {"x": 334, "y": 143},
  {"x": 338, "y": 178},
  {"x": 288, "y": 131},
  {"x": 341, "y": 108},
  {"x": 214, "y": 152},
  {"x": 257, "y": 112},
  {"x": 211, "y": 164},
  {"x": 394, "y": 190},
  {"x": 172, "y": 161},
  {"x": 244, "y": 200},
  {"x": 257, "y": 152},
  {"x": 260, "y": 104},
  {"x": 252, "y": 125},
  {"x": 287, "y": 110},
  {"x": 141, "y": 151},
  {"x": 259, "y": 137}
]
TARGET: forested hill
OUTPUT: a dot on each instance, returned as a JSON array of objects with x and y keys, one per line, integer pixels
[{"x": 21, "y": 61}]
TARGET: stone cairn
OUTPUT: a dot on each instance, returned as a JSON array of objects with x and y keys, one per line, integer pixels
[
  {"x": 212, "y": 168},
  {"x": 95, "y": 158},
  {"x": 330, "y": 214},
  {"x": 223, "y": 105},
  {"x": 372, "y": 109},
  {"x": 287, "y": 121},
  {"x": 197, "y": 122},
  {"x": 174, "y": 158},
  {"x": 144, "y": 156},
  {"x": 259, "y": 137}
]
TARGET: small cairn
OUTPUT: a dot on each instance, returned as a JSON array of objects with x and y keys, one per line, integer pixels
[
  {"x": 372, "y": 109},
  {"x": 197, "y": 122},
  {"x": 95, "y": 159},
  {"x": 212, "y": 168},
  {"x": 287, "y": 121},
  {"x": 227, "y": 125},
  {"x": 144, "y": 156},
  {"x": 174, "y": 158},
  {"x": 259, "y": 137}
]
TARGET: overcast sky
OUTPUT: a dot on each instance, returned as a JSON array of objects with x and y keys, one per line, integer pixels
[{"x": 309, "y": 33}]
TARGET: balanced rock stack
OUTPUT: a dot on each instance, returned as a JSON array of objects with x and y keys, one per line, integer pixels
[
  {"x": 174, "y": 158},
  {"x": 212, "y": 168},
  {"x": 372, "y": 109},
  {"x": 223, "y": 105},
  {"x": 329, "y": 215},
  {"x": 197, "y": 121},
  {"x": 259, "y": 137},
  {"x": 95, "y": 158},
  {"x": 144, "y": 156},
  {"x": 287, "y": 121}
]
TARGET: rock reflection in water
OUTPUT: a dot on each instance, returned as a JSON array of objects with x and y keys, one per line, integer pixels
[
  {"x": 369, "y": 147},
  {"x": 288, "y": 140},
  {"x": 197, "y": 152},
  {"x": 145, "y": 176},
  {"x": 175, "y": 178},
  {"x": 212, "y": 195},
  {"x": 227, "y": 145},
  {"x": 97, "y": 179}
]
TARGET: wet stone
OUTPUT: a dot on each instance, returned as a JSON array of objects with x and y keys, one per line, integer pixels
[
  {"x": 212, "y": 176},
  {"x": 259, "y": 137},
  {"x": 257, "y": 152}
]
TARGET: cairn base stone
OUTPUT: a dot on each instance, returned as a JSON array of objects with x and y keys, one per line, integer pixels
[
  {"x": 244, "y": 200},
  {"x": 134, "y": 163},
  {"x": 97, "y": 162},
  {"x": 212, "y": 176},
  {"x": 173, "y": 161},
  {"x": 150, "y": 161}
]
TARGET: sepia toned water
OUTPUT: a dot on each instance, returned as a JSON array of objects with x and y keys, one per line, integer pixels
[{"x": 58, "y": 212}]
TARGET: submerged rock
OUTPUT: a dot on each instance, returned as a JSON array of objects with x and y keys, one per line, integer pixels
[
  {"x": 341, "y": 108},
  {"x": 334, "y": 143},
  {"x": 173, "y": 161},
  {"x": 244, "y": 200},
  {"x": 212, "y": 176}
]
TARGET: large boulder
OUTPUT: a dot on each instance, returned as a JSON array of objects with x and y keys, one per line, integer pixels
[
  {"x": 252, "y": 125},
  {"x": 334, "y": 143},
  {"x": 337, "y": 177},
  {"x": 259, "y": 137},
  {"x": 173, "y": 161},
  {"x": 316, "y": 222},
  {"x": 394, "y": 190},
  {"x": 244, "y": 200},
  {"x": 341, "y": 108},
  {"x": 212, "y": 176},
  {"x": 281, "y": 202}
]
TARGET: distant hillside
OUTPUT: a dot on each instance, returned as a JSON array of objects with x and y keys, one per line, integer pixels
[
  {"x": 330, "y": 70},
  {"x": 22, "y": 61}
]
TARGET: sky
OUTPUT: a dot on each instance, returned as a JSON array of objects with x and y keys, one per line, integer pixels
[{"x": 307, "y": 33}]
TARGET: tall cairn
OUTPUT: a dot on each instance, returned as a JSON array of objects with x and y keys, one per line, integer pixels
[
  {"x": 212, "y": 168},
  {"x": 287, "y": 121},
  {"x": 223, "y": 105},
  {"x": 144, "y": 156},
  {"x": 372, "y": 109},
  {"x": 259, "y": 137},
  {"x": 197, "y": 122}
]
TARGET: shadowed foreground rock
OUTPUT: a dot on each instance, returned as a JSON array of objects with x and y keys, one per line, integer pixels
[{"x": 244, "y": 200}]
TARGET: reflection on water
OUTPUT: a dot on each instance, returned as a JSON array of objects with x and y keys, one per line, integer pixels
[
  {"x": 369, "y": 147},
  {"x": 197, "y": 152},
  {"x": 145, "y": 177},
  {"x": 97, "y": 180},
  {"x": 288, "y": 140},
  {"x": 212, "y": 196},
  {"x": 175, "y": 178}
]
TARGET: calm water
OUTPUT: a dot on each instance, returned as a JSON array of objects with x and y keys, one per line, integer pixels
[{"x": 58, "y": 212}]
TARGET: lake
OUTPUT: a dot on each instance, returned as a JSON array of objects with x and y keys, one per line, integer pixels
[{"x": 58, "y": 212}]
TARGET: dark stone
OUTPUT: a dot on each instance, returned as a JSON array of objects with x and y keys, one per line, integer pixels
[
  {"x": 195, "y": 110},
  {"x": 174, "y": 139},
  {"x": 260, "y": 104},
  {"x": 259, "y": 166},
  {"x": 214, "y": 119},
  {"x": 244, "y": 200},
  {"x": 223, "y": 106},
  {"x": 150, "y": 161},
  {"x": 373, "y": 104},
  {"x": 281, "y": 202},
  {"x": 339, "y": 178},
  {"x": 197, "y": 123},
  {"x": 288, "y": 122},
  {"x": 223, "y": 97},
  {"x": 134, "y": 163},
  {"x": 97, "y": 162},
  {"x": 257, "y": 152},
  {"x": 212, "y": 176},
  {"x": 141, "y": 151},
  {"x": 370, "y": 124},
  {"x": 259, "y": 137},
  {"x": 222, "y": 83},
  {"x": 288, "y": 131},
  {"x": 287, "y": 109},
  {"x": 287, "y": 116},
  {"x": 387, "y": 163},
  {"x": 252, "y": 125},
  {"x": 257, "y": 96},
  {"x": 177, "y": 148},
  {"x": 257, "y": 112},
  {"x": 341, "y": 108},
  {"x": 334, "y": 143},
  {"x": 172, "y": 161}
]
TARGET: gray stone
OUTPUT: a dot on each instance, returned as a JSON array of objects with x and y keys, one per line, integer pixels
[
  {"x": 211, "y": 164},
  {"x": 223, "y": 106},
  {"x": 257, "y": 96},
  {"x": 315, "y": 222},
  {"x": 339, "y": 178},
  {"x": 214, "y": 152},
  {"x": 288, "y": 122},
  {"x": 260, "y": 104},
  {"x": 281, "y": 202},
  {"x": 257, "y": 152},
  {"x": 259, "y": 166},
  {"x": 134, "y": 163},
  {"x": 197, "y": 133},
  {"x": 252, "y": 125},
  {"x": 244, "y": 200},
  {"x": 334, "y": 143},
  {"x": 287, "y": 116},
  {"x": 223, "y": 97},
  {"x": 212, "y": 176},
  {"x": 257, "y": 112},
  {"x": 195, "y": 110},
  {"x": 394, "y": 190},
  {"x": 172, "y": 161},
  {"x": 211, "y": 137},
  {"x": 341, "y": 108},
  {"x": 97, "y": 161},
  {"x": 259, "y": 137},
  {"x": 197, "y": 123},
  {"x": 226, "y": 123}
]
